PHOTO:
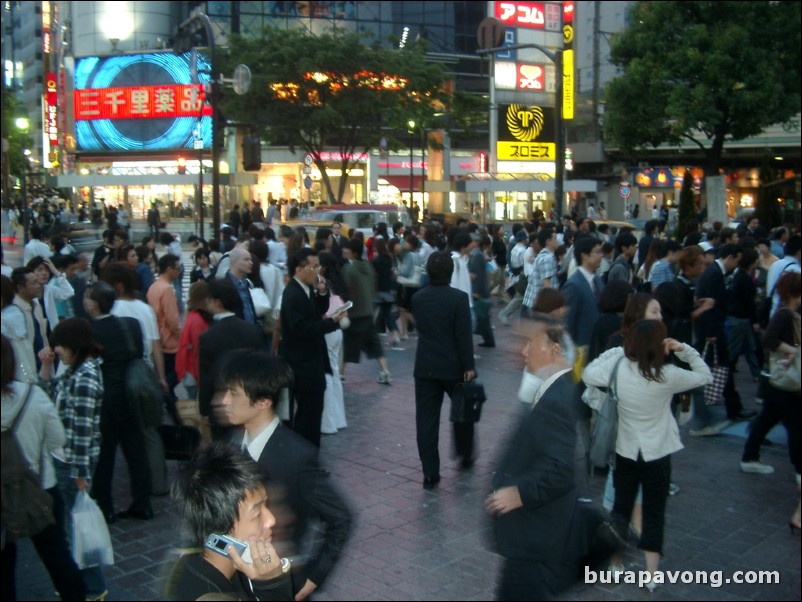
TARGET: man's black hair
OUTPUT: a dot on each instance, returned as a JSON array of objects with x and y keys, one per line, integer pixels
[
  {"x": 260, "y": 375},
  {"x": 439, "y": 267},
  {"x": 102, "y": 293},
  {"x": 584, "y": 245},
  {"x": 226, "y": 293},
  {"x": 299, "y": 259},
  {"x": 167, "y": 261}
]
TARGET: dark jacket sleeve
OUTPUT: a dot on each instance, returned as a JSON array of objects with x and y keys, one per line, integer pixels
[
  {"x": 779, "y": 330},
  {"x": 323, "y": 498}
]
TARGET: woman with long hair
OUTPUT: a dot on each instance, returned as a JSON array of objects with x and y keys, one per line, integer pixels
[
  {"x": 647, "y": 432},
  {"x": 198, "y": 320},
  {"x": 78, "y": 395},
  {"x": 333, "y": 417},
  {"x": 39, "y": 433},
  {"x": 385, "y": 289}
]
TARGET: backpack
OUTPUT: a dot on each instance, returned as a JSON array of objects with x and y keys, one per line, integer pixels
[{"x": 26, "y": 508}]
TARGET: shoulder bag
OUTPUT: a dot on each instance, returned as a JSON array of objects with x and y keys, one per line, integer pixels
[
  {"x": 261, "y": 302},
  {"x": 784, "y": 374},
  {"x": 143, "y": 391},
  {"x": 605, "y": 428}
]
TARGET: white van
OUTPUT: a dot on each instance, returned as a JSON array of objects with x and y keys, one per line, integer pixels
[{"x": 363, "y": 217}]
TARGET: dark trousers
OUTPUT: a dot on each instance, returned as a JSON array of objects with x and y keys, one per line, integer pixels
[
  {"x": 481, "y": 309},
  {"x": 522, "y": 580},
  {"x": 654, "y": 477},
  {"x": 308, "y": 412},
  {"x": 778, "y": 406},
  {"x": 428, "y": 402},
  {"x": 51, "y": 545},
  {"x": 117, "y": 427},
  {"x": 172, "y": 381}
]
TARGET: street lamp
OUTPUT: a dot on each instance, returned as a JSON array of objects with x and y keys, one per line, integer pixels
[
  {"x": 555, "y": 57},
  {"x": 411, "y": 130}
]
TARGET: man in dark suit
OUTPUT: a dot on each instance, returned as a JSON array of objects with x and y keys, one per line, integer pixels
[
  {"x": 539, "y": 524},
  {"x": 121, "y": 341},
  {"x": 303, "y": 344},
  {"x": 296, "y": 482},
  {"x": 227, "y": 333},
  {"x": 710, "y": 325},
  {"x": 583, "y": 290},
  {"x": 444, "y": 357},
  {"x": 338, "y": 242}
]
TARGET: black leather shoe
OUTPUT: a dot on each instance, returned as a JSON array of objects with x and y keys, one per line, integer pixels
[
  {"x": 137, "y": 514},
  {"x": 430, "y": 482},
  {"x": 467, "y": 463},
  {"x": 486, "y": 345}
]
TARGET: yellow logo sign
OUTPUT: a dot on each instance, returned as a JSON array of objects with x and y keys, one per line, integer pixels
[
  {"x": 568, "y": 34},
  {"x": 524, "y": 123},
  {"x": 526, "y": 151}
]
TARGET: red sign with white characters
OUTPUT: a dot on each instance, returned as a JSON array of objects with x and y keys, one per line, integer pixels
[
  {"x": 51, "y": 109},
  {"x": 140, "y": 102},
  {"x": 521, "y": 14}
]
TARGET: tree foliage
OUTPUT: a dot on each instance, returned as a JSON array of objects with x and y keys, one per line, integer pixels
[
  {"x": 18, "y": 140},
  {"x": 317, "y": 92},
  {"x": 705, "y": 72}
]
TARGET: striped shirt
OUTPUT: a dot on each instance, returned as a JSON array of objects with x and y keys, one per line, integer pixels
[{"x": 545, "y": 269}]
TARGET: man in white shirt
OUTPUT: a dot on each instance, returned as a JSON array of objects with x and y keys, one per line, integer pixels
[
  {"x": 38, "y": 246},
  {"x": 789, "y": 263},
  {"x": 461, "y": 277}
]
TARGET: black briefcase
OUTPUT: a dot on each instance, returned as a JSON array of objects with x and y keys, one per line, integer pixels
[
  {"x": 180, "y": 441},
  {"x": 466, "y": 402}
]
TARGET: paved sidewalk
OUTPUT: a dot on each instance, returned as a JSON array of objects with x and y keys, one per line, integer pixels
[{"x": 411, "y": 544}]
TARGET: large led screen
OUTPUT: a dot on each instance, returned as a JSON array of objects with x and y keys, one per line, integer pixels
[{"x": 141, "y": 103}]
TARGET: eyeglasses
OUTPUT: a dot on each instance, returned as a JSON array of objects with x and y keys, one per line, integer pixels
[{"x": 312, "y": 268}]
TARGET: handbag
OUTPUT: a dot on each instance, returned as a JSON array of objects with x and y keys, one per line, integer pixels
[
  {"x": 179, "y": 441},
  {"x": 143, "y": 391},
  {"x": 785, "y": 375},
  {"x": 413, "y": 280},
  {"x": 466, "y": 401},
  {"x": 90, "y": 542},
  {"x": 521, "y": 284},
  {"x": 261, "y": 302},
  {"x": 605, "y": 428},
  {"x": 715, "y": 390}
]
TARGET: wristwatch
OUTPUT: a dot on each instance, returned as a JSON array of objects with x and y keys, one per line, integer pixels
[{"x": 285, "y": 565}]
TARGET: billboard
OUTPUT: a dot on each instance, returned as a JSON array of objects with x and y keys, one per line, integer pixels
[
  {"x": 526, "y": 133},
  {"x": 141, "y": 103}
]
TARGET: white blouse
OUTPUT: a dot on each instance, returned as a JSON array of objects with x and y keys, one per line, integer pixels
[{"x": 645, "y": 422}]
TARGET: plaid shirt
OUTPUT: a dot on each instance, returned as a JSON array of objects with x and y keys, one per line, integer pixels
[
  {"x": 545, "y": 268},
  {"x": 78, "y": 396}
]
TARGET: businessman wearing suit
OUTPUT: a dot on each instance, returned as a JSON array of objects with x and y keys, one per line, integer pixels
[
  {"x": 710, "y": 325},
  {"x": 300, "y": 491},
  {"x": 303, "y": 341},
  {"x": 121, "y": 341},
  {"x": 444, "y": 358},
  {"x": 539, "y": 524},
  {"x": 227, "y": 333},
  {"x": 338, "y": 242},
  {"x": 582, "y": 291}
]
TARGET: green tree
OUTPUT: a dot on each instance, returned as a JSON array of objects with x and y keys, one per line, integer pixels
[
  {"x": 317, "y": 92},
  {"x": 18, "y": 140},
  {"x": 707, "y": 72},
  {"x": 687, "y": 211}
]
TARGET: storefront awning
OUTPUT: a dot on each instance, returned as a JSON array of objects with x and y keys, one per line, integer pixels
[
  {"x": 79, "y": 181},
  {"x": 526, "y": 185},
  {"x": 402, "y": 182}
]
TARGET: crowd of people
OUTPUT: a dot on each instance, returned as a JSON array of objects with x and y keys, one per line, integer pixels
[{"x": 271, "y": 319}]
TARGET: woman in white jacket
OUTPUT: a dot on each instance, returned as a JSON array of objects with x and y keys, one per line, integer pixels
[{"x": 647, "y": 431}]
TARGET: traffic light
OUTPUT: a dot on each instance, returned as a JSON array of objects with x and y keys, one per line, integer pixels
[
  {"x": 182, "y": 165},
  {"x": 251, "y": 153}
]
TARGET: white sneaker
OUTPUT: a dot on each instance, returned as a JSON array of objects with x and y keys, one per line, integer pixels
[
  {"x": 757, "y": 467},
  {"x": 384, "y": 378}
]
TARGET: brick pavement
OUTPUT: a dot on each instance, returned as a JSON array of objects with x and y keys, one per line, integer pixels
[{"x": 411, "y": 544}]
